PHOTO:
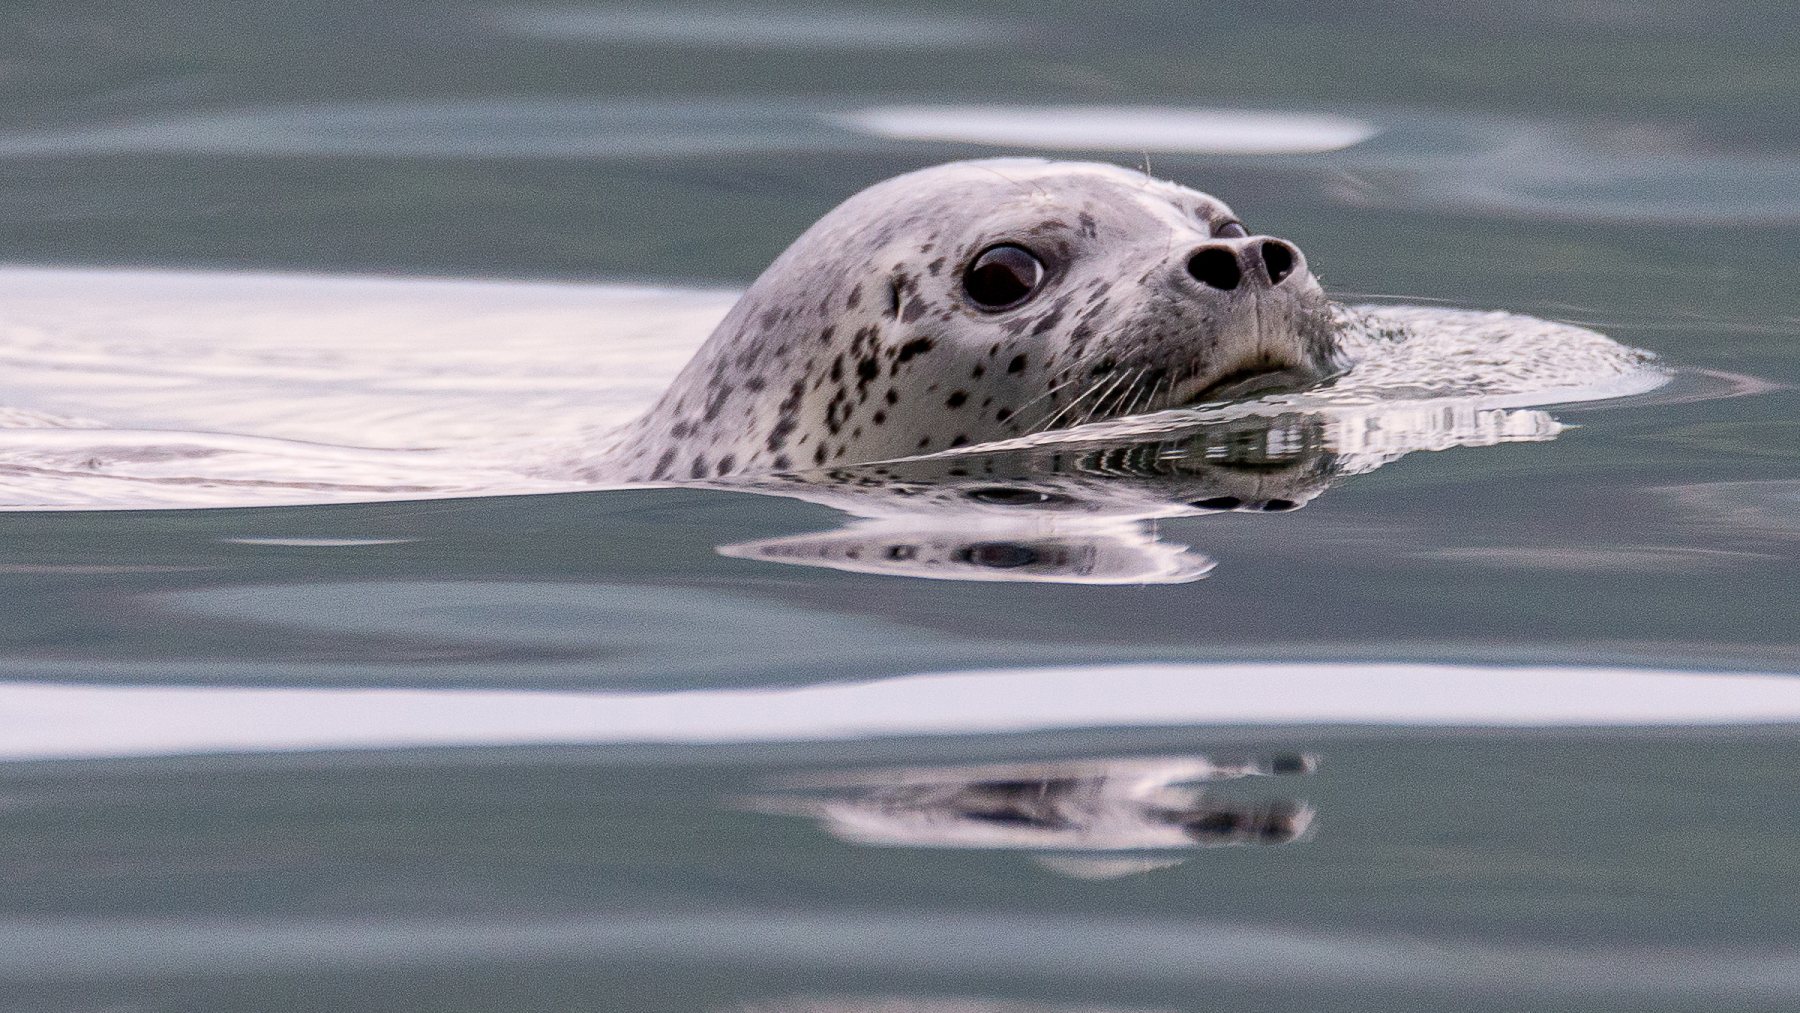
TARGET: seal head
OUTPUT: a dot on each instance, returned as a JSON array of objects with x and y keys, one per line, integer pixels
[{"x": 980, "y": 301}]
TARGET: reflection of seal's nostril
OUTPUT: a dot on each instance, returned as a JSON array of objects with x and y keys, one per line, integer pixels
[
  {"x": 1278, "y": 260},
  {"x": 1217, "y": 823},
  {"x": 1278, "y": 505},
  {"x": 1219, "y": 503},
  {"x": 1215, "y": 266}
]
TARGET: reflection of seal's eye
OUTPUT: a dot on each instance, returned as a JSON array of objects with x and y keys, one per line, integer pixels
[
  {"x": 999, "y": 555},
  {"x": 1001, "y": 495},
  {"x": 1003, "y": 277},
  {"x": 1231, "y": 230}
]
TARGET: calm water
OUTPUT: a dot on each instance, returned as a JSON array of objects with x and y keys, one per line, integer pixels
[{"x": 1491, "y": 728}]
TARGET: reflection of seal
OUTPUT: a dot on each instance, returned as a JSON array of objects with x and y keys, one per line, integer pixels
[
  {"x": 1068, "y": 512},
  {"x": 979, "y": 301},
  {"x": 1076, "y": 810}
]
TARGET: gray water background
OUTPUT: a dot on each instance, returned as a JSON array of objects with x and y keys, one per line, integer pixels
[{"x": 1629, "y": 166}]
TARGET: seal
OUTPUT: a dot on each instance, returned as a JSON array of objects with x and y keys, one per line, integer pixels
[{"x": 980, "y": 301}]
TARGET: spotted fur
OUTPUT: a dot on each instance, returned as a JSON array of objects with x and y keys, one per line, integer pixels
[{"x": 858, "y": 343}]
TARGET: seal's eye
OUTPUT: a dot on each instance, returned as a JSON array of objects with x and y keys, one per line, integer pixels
[
  {"x": 1231, "y": 230},
  {"x": 1003, "y": 276}
]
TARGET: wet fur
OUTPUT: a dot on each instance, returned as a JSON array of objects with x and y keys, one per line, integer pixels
[{"x": 858, "y": 345}]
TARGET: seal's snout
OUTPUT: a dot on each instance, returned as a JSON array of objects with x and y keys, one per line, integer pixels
[{"x": 1253, "y": 261}]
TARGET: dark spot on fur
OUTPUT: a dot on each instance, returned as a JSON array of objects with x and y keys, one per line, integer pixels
[
  {"x": 935, "y": 266},
  {"x": 783, "y": 462},
  {"x": 975, "y": 374},
  {"x": 699, "y": 468},
  {"x": 867, "y": 369},
  {"x": 924, "y": 442},
  {"x": 917, "y": 346},
  {"x": 755, "y": 384},
  {"x": 837, "y": 368},
  {"x": 1003, "y": 414},
  {"x": 819, "y": 454},
  {"x": 1049, "y": 320},
  {"x": 880, "y": 418},
  {"x": 955, "y": 400},
  {"x": 1017, "y": 365},
  {"x": 662, "y": 464},
  {"x": 724, "y": 464},
  {"x": 892, "y": 396},
  {"x": 960, "y": 439},
  {"x": 855, "y": 298},
  {"x": 778, "y": 434}
]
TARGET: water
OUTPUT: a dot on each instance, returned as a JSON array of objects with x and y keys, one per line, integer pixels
[{"x": 554, "y": 750}]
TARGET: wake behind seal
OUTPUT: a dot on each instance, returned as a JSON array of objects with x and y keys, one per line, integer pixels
[{"x": 980, "y": 301}]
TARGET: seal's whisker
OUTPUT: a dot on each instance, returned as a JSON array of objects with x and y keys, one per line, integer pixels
[
  {"x": 1078, "y": 370},
  {"x": 1065, "y": 385},
  {"x": 1147, "y": 397},
  {"x": 1133, "y": 390},
  {"x": 1111, "y": 388},
  {"x": 1137, "y": 399},
  {"x": 1119, "y": 385},
  {"x": 1050, "y": 421},
  {"x": 1066, "y": 409}
]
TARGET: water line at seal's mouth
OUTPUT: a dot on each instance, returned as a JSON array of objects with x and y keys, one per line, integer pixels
[
  {"x": 1242, "y": 384},
  {"x": 1260, "y": 376}
]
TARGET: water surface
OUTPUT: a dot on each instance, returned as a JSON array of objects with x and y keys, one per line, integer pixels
[{"x": 531, "y": 740}]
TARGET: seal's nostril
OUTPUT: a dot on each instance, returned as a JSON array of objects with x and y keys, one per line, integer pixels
[
  {"x": 1278, "y": 260},
  {"x": 1215, "y": 266}
]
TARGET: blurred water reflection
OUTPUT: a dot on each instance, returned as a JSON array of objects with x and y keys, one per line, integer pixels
[{"x": 1092, "y": 818}]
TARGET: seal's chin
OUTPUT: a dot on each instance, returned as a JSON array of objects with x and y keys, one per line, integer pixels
[{"x": 1246, "y": 382}]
